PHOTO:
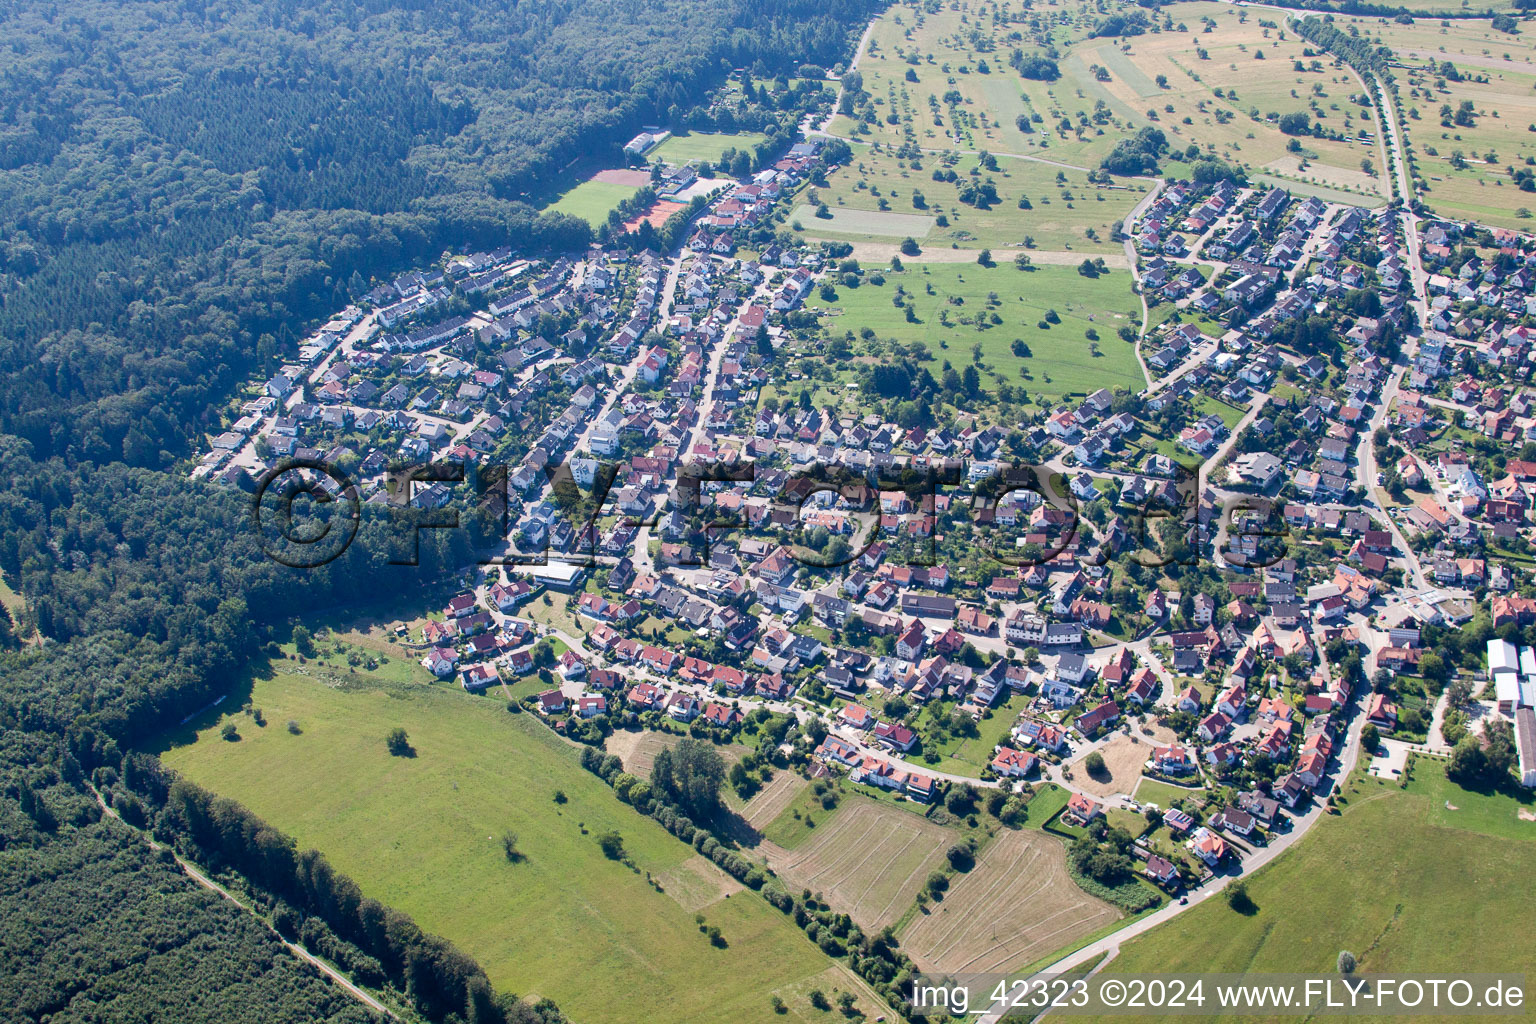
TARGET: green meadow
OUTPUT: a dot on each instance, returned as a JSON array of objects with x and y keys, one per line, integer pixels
[
  {"x": 425, "y": 834},
  {"x": 680, "y": 149},
  {"x": 954, "y": 305},
  {"x": 1396, "y": 879},
  {"x": 592, "y": 201}
]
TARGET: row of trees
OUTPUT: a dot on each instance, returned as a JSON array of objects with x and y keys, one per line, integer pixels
[
  {"x": 875, "y": 957},
  {"x": 438, "y": 979}
]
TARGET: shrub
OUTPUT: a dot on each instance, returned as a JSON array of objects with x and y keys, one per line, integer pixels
[{"x": 612, "y": 844}]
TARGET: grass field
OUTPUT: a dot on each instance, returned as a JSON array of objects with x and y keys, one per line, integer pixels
[
  {"x": 1151, "y": 791},
  {"x": 423, "y": 834},
  {"x": 1453, "y": 160},
  {"x": 1059, "y": 358},
  {"x": 1384, "y": 880},
  {"x": 1014, "y": 906},
  {"x": 868, "y": 860},
  {"x": 680, "y": 149},
  {"x": 1491, "y": 813},
  {"x": 592, "y": 200}
]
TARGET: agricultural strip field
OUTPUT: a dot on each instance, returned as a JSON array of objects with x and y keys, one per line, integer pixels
[
  {"x": 1465, "y": 163},
  {"x": 797, "y": 817},
  {"x": 772, "y": 800},
  {"x": 424, "y": 834},
  {"x": 861, "y": 223},
  {"x": 869, "y": 860},
  {"x": 1422, "y": 909},
  {"x": 1215, "y": 82},
  {"x": 953, "y": 309},
  {"x": 1016, "y": 905},
  {"x": 680, "y": 149},
  {"x": 638, "y": 748}
]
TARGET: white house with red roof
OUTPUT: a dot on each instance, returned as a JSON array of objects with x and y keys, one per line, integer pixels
[
  {"x": 1080, "y": 810},
  {"x": 1014, "y": 764}
]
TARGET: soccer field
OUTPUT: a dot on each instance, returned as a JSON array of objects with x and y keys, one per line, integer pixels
[
  {"x": 592, "y": 200},
  {"x": 679, "y": 149}
]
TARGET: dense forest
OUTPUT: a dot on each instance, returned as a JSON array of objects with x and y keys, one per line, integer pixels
[
  {"x": 156, "y": 945},
  {"x": 185, "y": 186}
]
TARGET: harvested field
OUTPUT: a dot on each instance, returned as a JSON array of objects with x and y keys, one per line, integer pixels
[
  {"x": 1016, "y": 905},
  {"x": 623, "y": 176},
  {"x": 639, "y": 749},
  {"x": 869, "y": 862},
  {"x": 771, "y": 800},
  {"x": 881, "y": 252},
  {"x": 1123, "y": 758}
]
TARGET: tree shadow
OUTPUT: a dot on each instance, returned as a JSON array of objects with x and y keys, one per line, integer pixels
[
  {"x": 735, "y": 827},
  {"x": 235, "y": 697}
]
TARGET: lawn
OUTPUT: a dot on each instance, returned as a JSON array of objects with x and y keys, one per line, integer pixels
[
  {"x": 592, "y": 200},
  {"x": 1404, "y": 894},
  {"x": 1151, "y": 791},
  {"x": 1047, "y": 802},
  {"x": 680, "y": 149},
  {"x": 1230, "y": 415},
  {"x": 423, "y": 834},
  {"x": 968, "y": 755},
  {"x": 954, "y": 305}
]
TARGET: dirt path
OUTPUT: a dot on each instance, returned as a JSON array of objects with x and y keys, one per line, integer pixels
[{"x": 298, "y": 951}]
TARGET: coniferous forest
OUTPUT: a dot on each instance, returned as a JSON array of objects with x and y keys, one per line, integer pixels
[{"x": 185, "y": 187}]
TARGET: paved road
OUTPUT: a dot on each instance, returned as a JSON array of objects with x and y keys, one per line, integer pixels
[
  {"x": 1109, "y": 946},
  {"x": 1130, "y": 256}
]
